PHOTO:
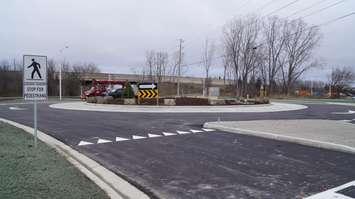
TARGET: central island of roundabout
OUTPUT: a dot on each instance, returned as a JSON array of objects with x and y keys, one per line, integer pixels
[{"x": 272, "y": 107}]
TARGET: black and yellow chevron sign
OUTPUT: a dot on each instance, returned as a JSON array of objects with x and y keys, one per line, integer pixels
[{"x": 148, "y": 94}]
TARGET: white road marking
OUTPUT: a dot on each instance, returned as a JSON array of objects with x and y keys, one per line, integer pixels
[
  {"x": 119, "y": 139},
  {"x": 154, "y": 135},
  {"x": 15, "y": 108},
  {"x": 344, "y": 113},
  {"x": 136, "y": 137},
  {"x": 102, "y": 141},
  {"x": 168, "y": 134},
  {"x": 150, "y": 135},
  {"x": 183, "y": 132},
  {"x": 346, "y": 121},
  {"x": 208, "y": 130},
  {"x": 331, "y": 193},
  {"x": 83, "y": 143},
  {"x": 196, "y": 131}
]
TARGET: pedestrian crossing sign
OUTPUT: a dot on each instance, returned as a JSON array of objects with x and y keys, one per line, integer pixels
[{"x": 34, "y": 77}]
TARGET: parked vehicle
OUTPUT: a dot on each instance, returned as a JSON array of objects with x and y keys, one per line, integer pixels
[
  {"x": 103, "y": 88},
  {"x": 116, "y": 91}
]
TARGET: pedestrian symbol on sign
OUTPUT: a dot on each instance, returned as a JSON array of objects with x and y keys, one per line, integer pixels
[{"x": 36, "y": 66}]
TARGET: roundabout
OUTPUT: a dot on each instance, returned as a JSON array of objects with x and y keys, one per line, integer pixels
[{"x": 167, "y": 152}]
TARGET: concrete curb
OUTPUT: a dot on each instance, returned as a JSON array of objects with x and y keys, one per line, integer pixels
[
  {"x": 341, "y": 103},
  {"x": 108, "y": 181},
  {"x": 302, "y": 141},
  {"x": 273, "y": 107}
]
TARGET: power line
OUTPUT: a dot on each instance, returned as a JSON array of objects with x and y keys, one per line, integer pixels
[
  {"x": 311, "y": 27},
  {"x": 325, "y": 8},
  {"x": 262, "y": 7},
  {"x": 245, "y": 4},
  {"x": 266, "y": 5},
  {"x": 279, "y": 9},
  {"x": 307, "y": 8},
  {"x": 337, "y": 19},
  {"x": 283, "y": 7}
]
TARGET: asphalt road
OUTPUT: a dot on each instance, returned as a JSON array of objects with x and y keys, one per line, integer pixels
[{"x": 199, "y": 165}]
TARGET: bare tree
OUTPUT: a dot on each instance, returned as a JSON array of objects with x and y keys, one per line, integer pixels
[
  {"x": 232, "y": 37},
  {"x": 157, "y": 63},
  {"x": 160, "y": 65},
  {"x": 240, "y": 43},
  {"x": 341, "y": 79},
  {"x": 300, "y": 43},
  {"x": 207, "y": 59},
  {"x": 274, "y": 34},
  {"x": 227, "y": 70},
  {"x": 52, "y": 78},
  {"x": 150, "y": 56}
]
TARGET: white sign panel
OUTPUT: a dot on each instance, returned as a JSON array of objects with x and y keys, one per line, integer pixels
[
  {"x": 34, "y": 77},
  {"x": 147, "y": 86}
]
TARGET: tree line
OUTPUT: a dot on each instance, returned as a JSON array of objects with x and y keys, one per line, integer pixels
[
  {"x": 271, "y": 53},
  {"x": 11, "y": 77}
]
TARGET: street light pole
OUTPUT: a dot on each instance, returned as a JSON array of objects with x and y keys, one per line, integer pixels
[
  {"x": 60, "y": 82},
  {"x": 179, "y": 67},
  {"x": 60, "y": 73}
]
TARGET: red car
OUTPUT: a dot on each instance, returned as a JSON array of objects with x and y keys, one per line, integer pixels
[{"x": 100, "y": 88}]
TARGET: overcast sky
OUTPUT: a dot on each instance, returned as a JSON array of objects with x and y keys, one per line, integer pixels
[{"x": 115, "y": 34}]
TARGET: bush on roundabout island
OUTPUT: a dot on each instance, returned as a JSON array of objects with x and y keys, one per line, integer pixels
[
  {"x": 176, "y": 101},
  {"x": 128, "y": 91}
]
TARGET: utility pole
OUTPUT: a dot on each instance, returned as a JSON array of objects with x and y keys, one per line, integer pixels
[
  {"x": 179, "y": 68},
  {"x": 14, "y": 64}
]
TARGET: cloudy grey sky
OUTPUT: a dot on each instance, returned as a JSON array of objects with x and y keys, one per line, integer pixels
[{"x": 115, "y": 34}]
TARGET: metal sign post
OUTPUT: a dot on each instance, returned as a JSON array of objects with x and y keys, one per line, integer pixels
[
  {"x": 35, "y": 84},
  {"x": 35, "y": 121}
]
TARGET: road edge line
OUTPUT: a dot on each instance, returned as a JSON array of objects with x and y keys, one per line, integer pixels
[
  {"x": 113, "y": 185},
  {"x": 267, "y": 135}
]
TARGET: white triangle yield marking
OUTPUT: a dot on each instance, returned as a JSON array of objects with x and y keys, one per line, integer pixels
[
  {"x": 153, "y": 135},
  {"x": 102, "y": 141},
  {"x": 168, "y": 134},
  {"x": 196, "y": 131},
  {"x": 136, "y": 137},
  {"x": 83, "y": 143},
  {"x": 15, "y": 108},
  {"x": 346, "y": 121},
  {"x": 119, "y": 139},
  {"x": 183, "y": 132},
  {"x": 208, "y": 130}
]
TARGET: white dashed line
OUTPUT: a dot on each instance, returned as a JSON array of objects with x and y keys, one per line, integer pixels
[
  {"x": 119, "y": 139},
  {"x": 196, "y": 131},
  {"x": 208, "y": 130},
  {"x": 168, "y": 134},
  {"x": 103, "y": 141},
  {"x": 83, "y": 143},
  {"x": 136, "y": 137},
  {"x": 183, "y": 132},
  {"x": 154, "y": 135},
  {"x": 15, "y": 108},
  {"x": 150, "y": 135}
]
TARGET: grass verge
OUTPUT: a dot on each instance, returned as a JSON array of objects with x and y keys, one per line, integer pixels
[{"x": 26, "y": 172}]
